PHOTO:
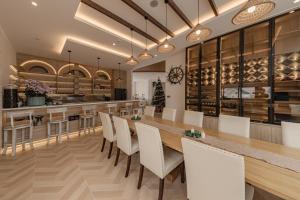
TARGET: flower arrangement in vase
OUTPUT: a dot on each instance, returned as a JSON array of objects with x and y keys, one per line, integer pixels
[{"x": 36, "y": 92}]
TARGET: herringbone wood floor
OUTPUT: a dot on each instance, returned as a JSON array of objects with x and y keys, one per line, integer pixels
[{"x": 76, "y": 169}]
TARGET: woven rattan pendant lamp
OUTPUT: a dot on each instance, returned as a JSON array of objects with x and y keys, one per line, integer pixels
[
  {"x": 199, "y": 32},
  {"x": 253, "y": 11},
  {"x": 145, "y": 55},
  {"x": 165, "y": 46},
  {"x": 132, "y": 60}
]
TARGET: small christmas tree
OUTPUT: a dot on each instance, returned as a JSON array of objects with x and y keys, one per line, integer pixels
[{"x": 159, "y": 100}]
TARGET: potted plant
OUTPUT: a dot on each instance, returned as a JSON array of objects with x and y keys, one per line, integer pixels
[{"x": 36, "y": 92}]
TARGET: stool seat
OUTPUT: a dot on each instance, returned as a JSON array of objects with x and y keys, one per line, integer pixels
[
  {"x": 87, "y": 116},
  {"x": 21, "y": 126},
  {"x": 58, "y": 121}
]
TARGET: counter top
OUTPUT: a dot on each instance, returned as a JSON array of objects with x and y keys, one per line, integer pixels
[{"x": 67, "y": 105}]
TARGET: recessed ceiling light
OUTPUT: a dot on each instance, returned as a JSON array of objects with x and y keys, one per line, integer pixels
[
  {"x": 296, "y": 1},
  {"x": 34, "y": 3},
  {"x": 114, "y": 44},
  {"x": 155, "y": 55}
]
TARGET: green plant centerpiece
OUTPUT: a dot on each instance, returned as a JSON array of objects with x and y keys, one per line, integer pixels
[
  {"x": 194, "y": 133},
  {"x": 36, "y": 93},
  {"x": 136, "y": 118}
]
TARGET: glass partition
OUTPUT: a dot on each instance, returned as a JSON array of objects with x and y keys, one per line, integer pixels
[
  {"x": 230, "y": 48},
  {"x": 287, "y": 68},
  {"x": 256, "y": 90}
]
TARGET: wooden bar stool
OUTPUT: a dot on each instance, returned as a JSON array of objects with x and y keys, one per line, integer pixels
[
  {"x": 57, "y": 117},
  {"x": 112, "y": 108},
  {"x": 88, "y": 118},
  {"x": 127, "y": 110},
  {"x": 14, "y": 126}
]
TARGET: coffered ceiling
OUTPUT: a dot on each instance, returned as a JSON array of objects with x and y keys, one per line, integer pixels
[{"x": 90, "y": 27}]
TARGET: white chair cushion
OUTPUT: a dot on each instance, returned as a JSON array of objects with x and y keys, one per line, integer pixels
[
  {"x": 135, "y": 145},
  {"x": 169, "y": 114},
  {"x": 172, "y": 159},
  {"x": 193, "y": 118},
  {"x": 290, "y": 134},
  {"x": 234, "y": 125}
]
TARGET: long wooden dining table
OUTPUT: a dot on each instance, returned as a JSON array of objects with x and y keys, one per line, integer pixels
[{"x": 279, "y": 181}]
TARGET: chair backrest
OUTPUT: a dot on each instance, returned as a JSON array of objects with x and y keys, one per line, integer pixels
[
  {"x": 212, "y": 173},
  {"x": 234, "y": 125},
  {"x": 108, "y": 131},
  {"x": 89, "y": 109},
  {"x": 149, "y": 111},
  {"x": 112, "y": 107},
  {"x": 20, "y": 114},
  {"x": 169, "y": 114},
  {"x": 193, "y": 118},
  {"x": 123, "y": 134},
  {"x": 57, "y": 111},
  {"x": 291, "y": 134},
  {"x": 151, "y": 150}
]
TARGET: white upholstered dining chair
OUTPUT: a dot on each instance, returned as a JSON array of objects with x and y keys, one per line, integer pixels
[
  {"x": 125, "y": 142},
  {"x": 108, "y": 132},
  {"x": 169, "y": 114},
  {"x": 234, "y": 125},
  {"x": 291, "y": 134},
  {"x": 214, "y": 174},
  {"x": 161, "y": 161},
  {"x": 149, "y": 111},
  {"x": 193, "y": 118}
]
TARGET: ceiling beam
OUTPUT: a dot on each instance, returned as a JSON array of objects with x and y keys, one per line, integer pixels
[
  {"x": 213, "y": 7},
  {"x": 142, "y": 12},
  {"x": 106, "y": 12},
  {"x": 179, "y": 12}
]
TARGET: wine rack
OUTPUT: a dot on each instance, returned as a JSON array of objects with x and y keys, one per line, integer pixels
[{"x": 253, "y": 72}]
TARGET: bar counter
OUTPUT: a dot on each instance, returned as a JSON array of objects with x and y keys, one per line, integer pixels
[{"x": 73, "y": 112}]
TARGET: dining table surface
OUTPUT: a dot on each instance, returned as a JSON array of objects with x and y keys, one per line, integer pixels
[{"x": 282, "y": 182}]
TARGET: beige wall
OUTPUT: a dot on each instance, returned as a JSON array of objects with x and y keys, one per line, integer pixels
[{"x": 7, "y": 57}]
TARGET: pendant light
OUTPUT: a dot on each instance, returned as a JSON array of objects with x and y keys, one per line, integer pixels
[
  {"x": 70, "y": 73},
  {"x": 119, "y": 78},
  {"x": 199, "y": 32},
  {"x": 98, "y": 65},
  {"x": 165, "y": 46},
  {"x": 253, "y": 11},
  {"x": 145, "y": 55},
  {"x": 132, "y": 60}
]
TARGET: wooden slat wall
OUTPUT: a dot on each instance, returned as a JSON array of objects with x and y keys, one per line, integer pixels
[{"x": 266, "y": 132}]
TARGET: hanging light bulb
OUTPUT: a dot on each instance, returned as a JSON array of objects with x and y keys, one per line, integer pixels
[
  {"x": 132, "y": 60},
  {"x": 70, "y": 72},
  {"x": 253, "y": 11},
  {"x": 199, "y": 32},
  {"x": 119, "y": 78},
  {"x": 165, "y": 46},
  {"x": 145, "y": 55}
]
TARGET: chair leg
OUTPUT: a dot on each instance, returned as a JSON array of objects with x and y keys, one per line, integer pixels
[
  {"x": 79, "y": 132},
  {"x": 5, "y": 142},
  {"x": 23, "y": 139},
  {"x": 103, "y": 144},
  {"x": 14, "y": 138},
  {"x": 161, "y": 189},
  {"x": 49, "y": 132},
  {"x": 59, "y": 132},
  {"x": 117, "y": 157},
  {"x": 30, "y": 137},
  {"x": 84, "y": 126},
  {"x": 128, "y": 166},
  {"x": 94, "y": 124},
  {"x": 110, "y": 150},
  {"x": 140, "y": 176},
  {"x": 182, "y": 169},
  {"x": 68, "y": 129}
]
